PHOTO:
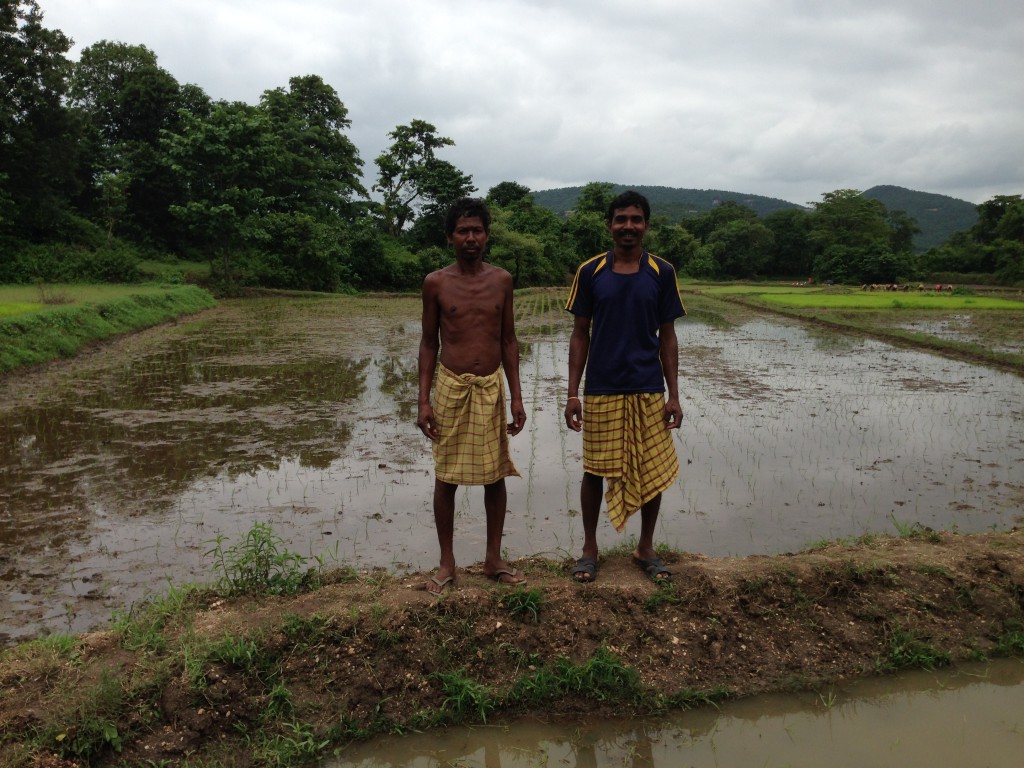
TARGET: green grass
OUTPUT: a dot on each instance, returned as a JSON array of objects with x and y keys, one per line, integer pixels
[
  {"x": 73, "y": 316},
  {"x": 53, "y": 295},
  {"x": 755, "y": 289},
  {"x": 173, "y": 271},
  {"x": 10, "y": 309},
  {"x": 909, "y": 650},
  {"x": 888, "y": 301}
]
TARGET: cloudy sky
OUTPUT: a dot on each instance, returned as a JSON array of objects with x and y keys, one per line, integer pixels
[{"x": 785, "y": 98}]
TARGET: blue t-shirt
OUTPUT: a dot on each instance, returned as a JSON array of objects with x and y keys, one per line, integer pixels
[{"x": 625, "y": 312}]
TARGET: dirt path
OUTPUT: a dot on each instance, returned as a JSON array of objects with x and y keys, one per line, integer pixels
[{"x": 228, "y": 680}]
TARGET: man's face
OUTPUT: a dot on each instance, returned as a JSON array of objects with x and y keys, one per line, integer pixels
[
  {"x": 469, "y": 238},
  {"x": 628, "y": 226}
]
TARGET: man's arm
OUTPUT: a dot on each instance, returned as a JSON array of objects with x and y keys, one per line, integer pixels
[
  {"x": 668, "y": 351},
  {"x": 579, "y": 350},
  {"x": 510, "y": 358},
  {"x": 430, "y": 343}
]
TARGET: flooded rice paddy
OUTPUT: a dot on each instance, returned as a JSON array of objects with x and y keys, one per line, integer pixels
[{"x": 120, "y": 469}]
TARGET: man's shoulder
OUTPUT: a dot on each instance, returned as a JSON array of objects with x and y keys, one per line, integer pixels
[
  {"x": 659, "y": 265},
  {"x": 593, "y": 264}
]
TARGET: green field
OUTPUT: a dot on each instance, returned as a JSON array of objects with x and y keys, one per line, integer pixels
[
  {"x": 41, "y": 323},
  {"x": 15, "y": 299},
  {"x": 836, "y": 297},
  {"x": 927, "y": 300}
]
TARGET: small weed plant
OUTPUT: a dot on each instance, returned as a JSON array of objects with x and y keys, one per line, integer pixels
[
  {"x": 465, "y": 697},
  {"x": 665, "y": 593},
  {"x": 259, "y": 563},
  {"x": 907, "y": 650},
  {"x": 523, "y": 603},
  {"x": 915, "y": 531},
  {"x": 1011, "y": 641}
]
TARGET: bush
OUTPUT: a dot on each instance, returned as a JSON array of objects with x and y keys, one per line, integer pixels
[{"x": 60, "y": 263}]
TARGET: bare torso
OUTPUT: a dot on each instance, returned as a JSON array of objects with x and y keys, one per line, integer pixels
[{"x": 470, "y": 313}]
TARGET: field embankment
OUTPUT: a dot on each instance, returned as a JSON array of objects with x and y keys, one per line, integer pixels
[
  {"x": 203, "y": 678},
  {"x": 59, "y": 321}
]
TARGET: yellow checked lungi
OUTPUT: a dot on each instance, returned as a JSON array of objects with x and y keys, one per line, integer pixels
[
  {"x": 625, "y": 441},
  {"x": 469, "y": 412}
]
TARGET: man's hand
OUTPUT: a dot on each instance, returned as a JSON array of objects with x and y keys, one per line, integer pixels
[
  {"x": 518, "y": 418},
  {"x": 673, "y": 413},
  {"x": 574, "y": 414},
  {"x": 425, "y": 421}
]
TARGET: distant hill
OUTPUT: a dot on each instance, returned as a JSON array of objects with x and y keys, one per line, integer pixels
[
  {"x": 673, "y": 203},
  {"x": 938, "y": 216}
]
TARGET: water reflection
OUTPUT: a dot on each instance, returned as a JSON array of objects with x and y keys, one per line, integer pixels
[
  {"x": 117, "y": 472},
  {"x": 970, "y": 717}
]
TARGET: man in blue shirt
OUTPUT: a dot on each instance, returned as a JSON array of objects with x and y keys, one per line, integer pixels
[{"x": 625, "y": 303}]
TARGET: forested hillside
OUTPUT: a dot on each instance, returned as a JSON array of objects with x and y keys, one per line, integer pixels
[
  {"x": 673, "y": 203},
  {"x": 938, "y": 216}
]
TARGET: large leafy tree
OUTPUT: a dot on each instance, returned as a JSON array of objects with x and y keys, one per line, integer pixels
[
  {"x": 703, "y": 225},
  {"x": 507, "y": 193},
  {"x": 595, "y": 198},
  {"x": 413, "y": 180},
  {"x": 39, "y": 147},
  {"x": 854, "y": 238},
  {"x": 128, "y": 101},
  {"x": 228, "y": 162},
  {"x": 994, "y": 245},
  {"x": 791, "y": 253},
  {"x": 321, "y": 166},
  {"x": 675, "y": 243}
]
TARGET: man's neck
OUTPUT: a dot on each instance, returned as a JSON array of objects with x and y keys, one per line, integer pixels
[{"x": 628, "y": 255}]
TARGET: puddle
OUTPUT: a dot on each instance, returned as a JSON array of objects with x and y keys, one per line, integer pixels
[
  {"x": 970, "y": 717},
  {"x": 119, "y": 470}
]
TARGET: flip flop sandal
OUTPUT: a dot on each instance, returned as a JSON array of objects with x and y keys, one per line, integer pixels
[
  {"x": 504, "y": 572},
  {"x": 585, "y": 570},
  {"x": 443, "y": 586},
  {"x": 654, "y": 568}
]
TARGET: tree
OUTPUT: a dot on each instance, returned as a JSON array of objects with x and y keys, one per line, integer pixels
[
  {"x": 675, "y": 243},
  {"x": 702, "y": 226},
  {"x": 741, "y": 248},
  {"x": 411, "y": 178},
  {"x": 39, "y": 138},
  {"x": 990, "y": 216},
  {"x": 854, "y": 240},
  {"x": 506, "y": 193},
  {"x": 792, "y": 252},
  {"x": 587, "y": 235},
  {"x": 903, "y": 228},
  {"x": 595, "y": 197},
  {"x": 227, "y": 162},
  {"x": 127, "y": 100},
  {"x": 320, "y": 166},
  {"x": 522, "y": 254}
]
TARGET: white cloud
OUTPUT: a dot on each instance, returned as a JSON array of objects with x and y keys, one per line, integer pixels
[{"x": 784, "y": 99}]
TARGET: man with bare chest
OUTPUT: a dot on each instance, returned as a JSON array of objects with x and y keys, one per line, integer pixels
[{"x": 468, "y": 339}]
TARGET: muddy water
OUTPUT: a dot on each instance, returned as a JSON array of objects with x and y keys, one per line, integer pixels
[
  {"x": 119, "y": 470},
  {"x": 971, "y": 717}
]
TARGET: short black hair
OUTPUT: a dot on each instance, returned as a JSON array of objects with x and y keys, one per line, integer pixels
[
  {"x": 467, "y": 206},
  {"x": 625, "y": 200}
]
